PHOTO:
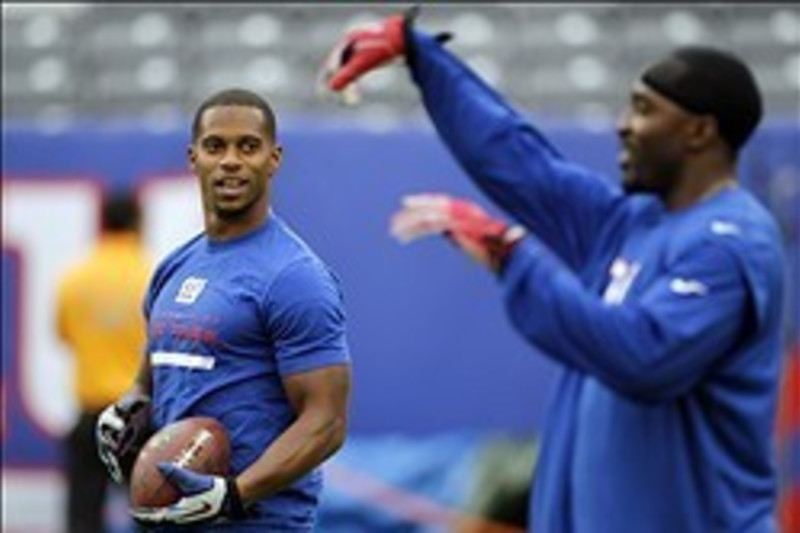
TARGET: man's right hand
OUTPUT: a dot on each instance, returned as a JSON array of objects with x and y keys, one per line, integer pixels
[{"x": 121, "y": 431}]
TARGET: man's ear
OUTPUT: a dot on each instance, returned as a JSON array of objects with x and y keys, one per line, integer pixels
[
  {"x": 275, "y": 158},
  {"x": 191, "y": 156},
  {"x": 703, "y": 131}
]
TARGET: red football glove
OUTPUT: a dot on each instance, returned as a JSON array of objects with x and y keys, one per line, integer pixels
[
  {"x": 486, "y": 239},
  {"x": 366, "y": 48},
  {"x": 363, "y": 49}
]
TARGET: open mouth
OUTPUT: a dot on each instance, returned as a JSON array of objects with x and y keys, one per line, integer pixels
[{"x": 230, "y": 186}]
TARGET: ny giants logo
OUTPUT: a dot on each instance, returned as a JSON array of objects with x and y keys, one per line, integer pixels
[{"x": 190, "y": 290}]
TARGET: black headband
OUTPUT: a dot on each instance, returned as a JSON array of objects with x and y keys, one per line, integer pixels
[{"x": 707, "y": 81}]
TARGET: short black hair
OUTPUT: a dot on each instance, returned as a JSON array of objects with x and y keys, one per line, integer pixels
[
  {"x": 120, "y": 212},
  {"x": 236, "y": 97}
]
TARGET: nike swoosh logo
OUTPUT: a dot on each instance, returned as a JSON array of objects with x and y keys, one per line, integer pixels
[
  {"x": 687, "y": 286},
  {"x": 720, "y": 227},
  {"x": 204, "y": 511}
]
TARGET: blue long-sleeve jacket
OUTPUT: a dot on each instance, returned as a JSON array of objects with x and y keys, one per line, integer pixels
[{"x": 666, "y": 324}]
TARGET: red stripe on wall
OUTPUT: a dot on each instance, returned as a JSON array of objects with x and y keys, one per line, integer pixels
[
  {"x": 788, "y": 429},
  {"x": 789, "y": 409}
]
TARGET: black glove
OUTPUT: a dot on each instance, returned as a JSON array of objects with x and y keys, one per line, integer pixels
[{"x": 122, "y": 429}]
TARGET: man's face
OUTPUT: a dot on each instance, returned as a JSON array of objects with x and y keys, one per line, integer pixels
[
  {"x": 652, "y": 132},
  {"x": 234, "y": 159}
]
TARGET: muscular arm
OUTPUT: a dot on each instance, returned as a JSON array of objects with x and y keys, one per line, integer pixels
[
  {"x": 319, "y": 398},
  {"x": 306, "y": 320}
]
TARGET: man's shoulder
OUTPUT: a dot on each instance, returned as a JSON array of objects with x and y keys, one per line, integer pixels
[
  {"x": 736, "y": 223},
  {"x": 294, "y": 251},
  {"x": 174, "y": 259},
  {"x": 738, "y": 219},
  {"x": 181, "y": 250},
  {"x": 303, "y": 272},
  {"x": 83, "y": 271},
  {"x": 279, "y": 259},
  {"x": 746, "y": 231}
]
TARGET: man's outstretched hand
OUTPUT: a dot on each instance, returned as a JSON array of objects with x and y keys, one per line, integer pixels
[
  {"x": 363, "y": 49},
  {"x": 484, "y": 238}
]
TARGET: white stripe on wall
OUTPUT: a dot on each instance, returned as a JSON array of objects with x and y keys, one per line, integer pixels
[{"x": 186, "y": 360}]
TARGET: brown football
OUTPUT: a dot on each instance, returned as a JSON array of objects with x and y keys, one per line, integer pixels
[{"x": 196, "y": 443}]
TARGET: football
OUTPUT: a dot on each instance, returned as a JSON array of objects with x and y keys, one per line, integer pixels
[{"x": 196, "y": 443}]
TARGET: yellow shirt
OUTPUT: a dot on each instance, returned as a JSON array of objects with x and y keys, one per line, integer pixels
[{"x": 100, "y": 317}]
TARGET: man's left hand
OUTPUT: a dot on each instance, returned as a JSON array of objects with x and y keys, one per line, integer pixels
[
  {"x": 486, "y": 239},
  {"x": 205, "y": 499}
]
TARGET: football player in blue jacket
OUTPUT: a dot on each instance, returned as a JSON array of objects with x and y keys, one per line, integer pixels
[{"x": 660, "y": 297}]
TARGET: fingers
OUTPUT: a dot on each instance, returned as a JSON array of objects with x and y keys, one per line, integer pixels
[
  {"x": 185, "y": 480},
  {"x": 424, "y": 200},
  {"x": 362, "y": 50},
  {"x": 114, "y": 470},
  {"x": 357, "y": 65},
  {"x": 189, "y": 482},
  {"x": 346, "y": 93},
  {"x": 107, "y": 432},
  {"x": 168, "y": 470},
  {"x": 112, "y": 425},
  {"x": 201, "y": 506},
  {"x": 149, "y": 515},
  {"x": 111, "y": 418},
  {"x": 203, "y": 498},
  {"x": 421, "y": 215},
  {"x": 343, "y": 76}
]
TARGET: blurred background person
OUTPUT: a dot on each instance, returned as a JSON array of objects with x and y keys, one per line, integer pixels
[{"x": 99, "y": 318}]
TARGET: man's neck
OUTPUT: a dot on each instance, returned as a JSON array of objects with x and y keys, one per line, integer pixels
[
  {"x": 223, "y": 229},
  {"x": 700, "y": 183}
]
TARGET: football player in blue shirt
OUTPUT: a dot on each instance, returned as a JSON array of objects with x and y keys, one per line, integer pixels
[
  {"x": 245, "y": 325},
  {"x": 661, "y": 299}
]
